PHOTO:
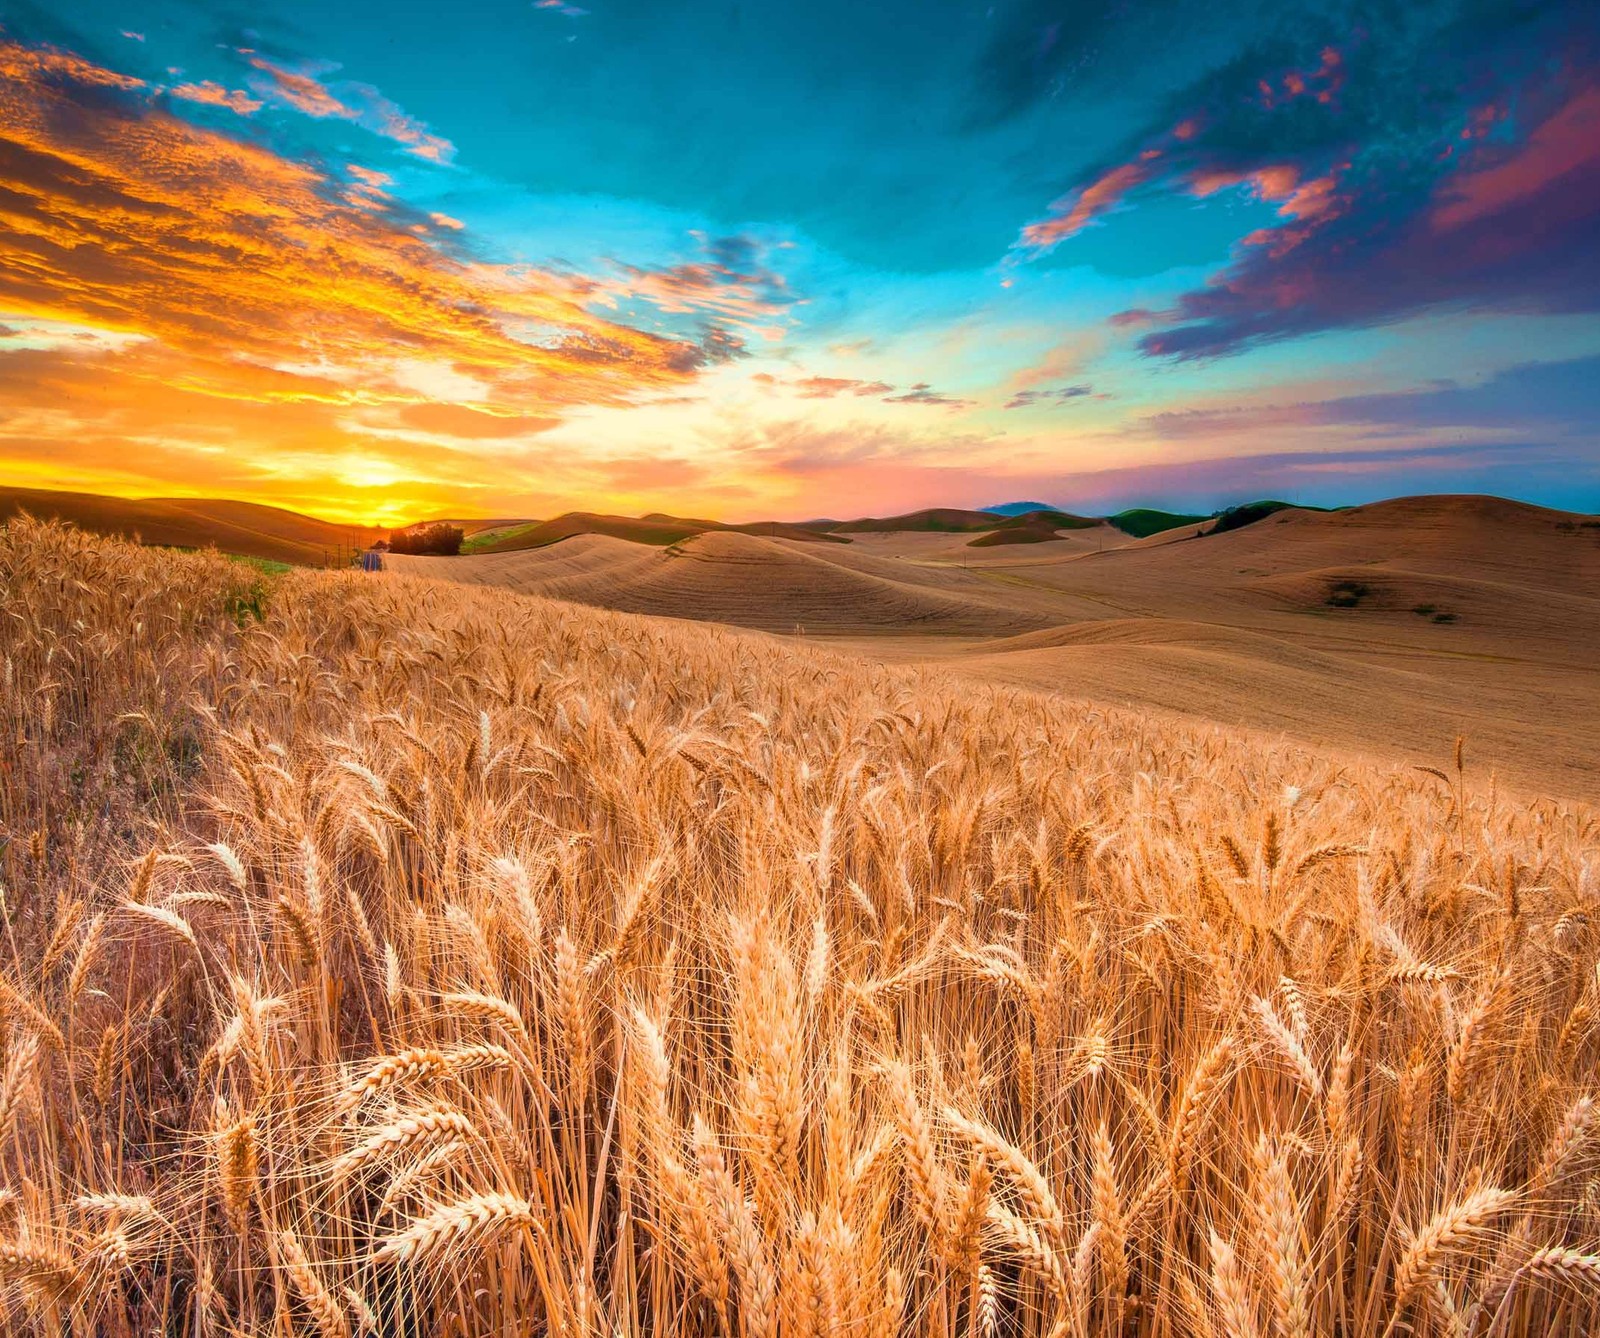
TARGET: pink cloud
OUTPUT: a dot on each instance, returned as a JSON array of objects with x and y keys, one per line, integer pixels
[
  {"x": 1274, "y": 182},
  {"x": 1063, "y": 362},
  {"x": 1072, "y": 213},
  {"x": 1162, "y": 154},
  {"x": 826, "y": 387},
  {"x": 1568, "y": 141}
]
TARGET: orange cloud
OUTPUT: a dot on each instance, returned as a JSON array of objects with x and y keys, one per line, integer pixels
[
  {"x": 245, "y": 321},
  {"x": 24, "y": 65},
  {"x": 215, "y": 95},
  {"x": 301, "y": 91},
  {"x": 471, "y": 424}
]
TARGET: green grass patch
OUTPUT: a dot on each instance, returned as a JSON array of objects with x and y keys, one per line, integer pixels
[
  {"x": 484, "y": 539},
  {"x": 247, "y": 602},
  {"x": 266, "y": 566}
]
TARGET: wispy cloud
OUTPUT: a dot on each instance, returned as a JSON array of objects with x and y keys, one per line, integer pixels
[
  {"x": 826, "y": 387},
  {"x": 1533, "y": 399},
  {"x": 732, "y": 286},
  {"x": 836, "y": 387},
  {"x": 211, "y": 94},
  {"x": 303, "y": 88},
  {"x": 923, "y": 393}
]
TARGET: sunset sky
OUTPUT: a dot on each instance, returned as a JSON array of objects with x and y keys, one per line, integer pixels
[{"x": 514, "y": 257}]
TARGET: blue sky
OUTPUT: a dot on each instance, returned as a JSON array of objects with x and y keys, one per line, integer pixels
[{"x": 754, "y": 259}]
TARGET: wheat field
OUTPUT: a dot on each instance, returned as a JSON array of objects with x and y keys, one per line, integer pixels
[{"x": 388, "y": 957}]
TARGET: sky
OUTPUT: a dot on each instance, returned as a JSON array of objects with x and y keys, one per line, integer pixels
[{"x": 733, "y": 259}]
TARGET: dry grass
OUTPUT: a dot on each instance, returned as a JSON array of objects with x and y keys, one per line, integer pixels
[{"x": 438, "y": 961}]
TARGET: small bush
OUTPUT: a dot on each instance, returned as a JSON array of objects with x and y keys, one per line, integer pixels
[
  {"x": 1347, "y": 594},
  {"x": 1424, "y": 610}
]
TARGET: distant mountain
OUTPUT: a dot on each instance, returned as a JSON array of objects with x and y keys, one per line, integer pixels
[
  {"x": 657, "y": 529},
  {"x": 1018, "y": 508},
  {"x": 955, "y": 521}
]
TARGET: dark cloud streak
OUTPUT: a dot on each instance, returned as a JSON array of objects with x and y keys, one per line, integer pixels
[{"x": 1058, "y": 396}]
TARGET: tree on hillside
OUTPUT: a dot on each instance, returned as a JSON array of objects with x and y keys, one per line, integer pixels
[{"x": 437, "y": 539}]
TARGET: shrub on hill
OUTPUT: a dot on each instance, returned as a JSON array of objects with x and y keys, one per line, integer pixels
[{"x": 1248, "y": 513}]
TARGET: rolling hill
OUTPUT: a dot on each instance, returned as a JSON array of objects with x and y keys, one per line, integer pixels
[
  {"x": 657, "y": 530},
  {"x": 1017, "y": 508},
  {"x": 744, "y": 580},
  {"x": 244, "y": 528},
  {"x": 953, "y": 520}
]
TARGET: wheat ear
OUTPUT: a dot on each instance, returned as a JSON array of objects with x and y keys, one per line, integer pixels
[
  {"x": 325, "y": 1310},
  {"x": 476, "y": 1219}
]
